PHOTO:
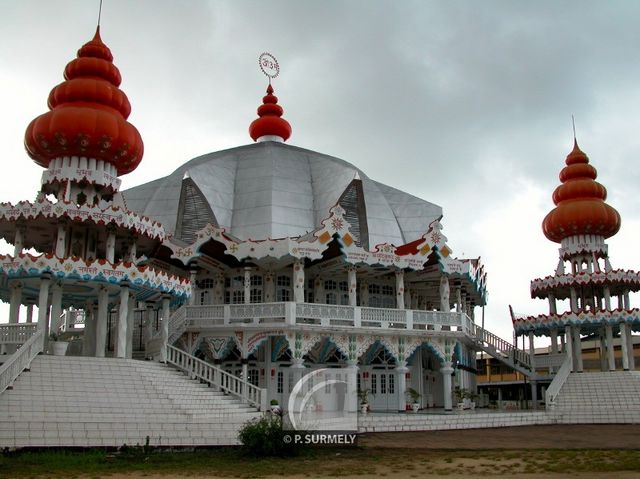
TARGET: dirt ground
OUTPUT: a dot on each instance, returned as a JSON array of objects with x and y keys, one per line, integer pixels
[
  {"x": 426, "y": 458},
  {"x": 566, "y": 436}
]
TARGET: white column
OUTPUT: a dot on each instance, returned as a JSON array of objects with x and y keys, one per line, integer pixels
[
  {"x": 568, "y": 346},
  {"x": 148, "y": 322},
  {"x": 133, "y": 251},
  {"x": 90, "y": 331},
  {"x": 30, "y": 313},
  {"x": 401, "y": 382},
  {"x": 56, "y": 306},
  {"x": 603, "y": 351},
  {"x": 632, "y": 360},
  {"x": 165, "y": 327},
  {"x": 611, "y": 359},
  {"x": 625, "y": 346},
  {"x": 111, "y": 245},
  {"x": 554, "y": 341},
  {"x": 400, "y": 289},
  {"x": 577, "y": 348},
  {"x": 552, "y": 304},
  {"x": 18, "y": 241},
  {"x": 269, "y": 287},
  {"x": 247, "y": 285},
  {"x": 353, "y": 285},
  {"x": 121, "y": 347},
  {"x": 532, "y": 351},
  {"x": 14, "y": 302},
  {"x": 364, "y": 293},
  {"x": 607, "y": 298},
  {"x": 130, "y": 312},
  {"x": 43, "y": 304},
  {"x": 61, "y": 240},
  {"x": 218, "y": 289},
  {"x": 407, "y": 298},
  {"x": 574, "y": 300},
  {"x": 192, "y": 280},
  {"x": 318, "y": 290},
  {"x": 101, "y": 322},
  {"x": 627, "y": 304},
  {"x": 298, "y": 281},
  {"x": 458, "y": 299},
  {"x": 444, "y": 294},
  {"x": 446, "y": 370}
]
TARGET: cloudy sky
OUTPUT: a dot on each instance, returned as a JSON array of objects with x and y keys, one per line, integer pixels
[{"x": 466, "y": 104}]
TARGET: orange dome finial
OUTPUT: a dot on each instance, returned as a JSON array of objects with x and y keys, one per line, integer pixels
[
  {"x": 87, "y": 116},
  {"x": 580, "y": 202},
  {"x": 270, "y": 125}
]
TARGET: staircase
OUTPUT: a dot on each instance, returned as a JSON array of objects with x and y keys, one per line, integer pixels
[
  {"x": 504, "y": 351},
  {"x": 600, "y": 397},
  {"x": 88, "y": 402}
]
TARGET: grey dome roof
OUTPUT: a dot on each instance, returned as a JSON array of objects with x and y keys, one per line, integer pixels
[{"x": 273, "y": 190}]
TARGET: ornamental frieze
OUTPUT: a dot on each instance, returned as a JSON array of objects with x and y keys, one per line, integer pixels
[
  {"x": 549, "y": 283},
  {"x": 98, "y": 270},
  {"x": 63, "y": 209}
]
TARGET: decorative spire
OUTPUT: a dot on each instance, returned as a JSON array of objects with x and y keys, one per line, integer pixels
[
  {"x": 580, "y": 202},
  {"x": 270, "y": 126},
  {"x": 87, "y": 116}
]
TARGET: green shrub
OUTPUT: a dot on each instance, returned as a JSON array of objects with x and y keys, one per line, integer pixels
[{"x": 265, "y": 437}]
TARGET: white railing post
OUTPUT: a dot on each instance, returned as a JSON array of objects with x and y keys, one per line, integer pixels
[
  {"x": 357, "y": 317},
  {"x": 409, "y": 319},
  {"x": 290, "y": 313},
  {"x": 227, "y": 314}
]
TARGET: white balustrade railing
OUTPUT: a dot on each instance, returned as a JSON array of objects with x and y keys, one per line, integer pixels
[
  {"x": 210, "y": 312},
  {"x": 324, "y": 314},
  {"x": 207, "y": 316},
  {"x": 21, "y": 360},
  {"x": 558, "y": 381},
  {"x": 257, "y": 313},
  {"x": 177, "y": 324},
  {"x": 502, "y": 346},
  {"x": 197, "y": 369},
  {"x": 16, "y": 333}
]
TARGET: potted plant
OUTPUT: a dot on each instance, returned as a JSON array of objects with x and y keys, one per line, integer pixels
[
  {"x": 472, "y": 399},
  {"x": 275, "y": 406},
  {"x": 415, "y": 399},
  {"x": 363, "y": 397},
  {"x": 460, "y": 394},
  {"x": 58, "y": 348}
]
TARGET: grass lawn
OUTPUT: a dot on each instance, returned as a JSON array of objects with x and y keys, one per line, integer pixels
[{"x": 353, "y": 461}]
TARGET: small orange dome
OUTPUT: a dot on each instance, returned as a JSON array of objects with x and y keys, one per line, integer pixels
[
  {"x": 580, "y": 203},
  {"x": 88, "y": 114},
  {"x": 270, "y": 122}
]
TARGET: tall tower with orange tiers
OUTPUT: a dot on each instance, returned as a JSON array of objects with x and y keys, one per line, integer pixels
[
  {"x": 598, "y": 295},
  {"x": 91, "y": 252}
]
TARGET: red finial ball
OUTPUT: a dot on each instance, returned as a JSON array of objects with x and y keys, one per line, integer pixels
[
  {"x": 580, "y": 203},
  {"x": 270, "y": 122},
  {"x": 88, "y": 115}
]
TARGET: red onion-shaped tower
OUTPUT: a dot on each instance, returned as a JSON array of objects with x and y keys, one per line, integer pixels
[
  {"x": 88, "y": 245},
  {"x": 85, "y": 137},
  {"x": 270, "y": 126},
  {"x": 580, "y": 203},
  {"x": 598, "y": 295}
]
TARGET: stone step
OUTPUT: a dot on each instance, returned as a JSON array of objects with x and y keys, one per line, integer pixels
[{"x": 72, "y": 401}]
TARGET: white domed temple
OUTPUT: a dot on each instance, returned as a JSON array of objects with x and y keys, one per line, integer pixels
[{"x": 244, "y": 269}]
